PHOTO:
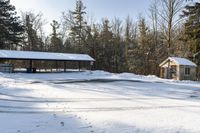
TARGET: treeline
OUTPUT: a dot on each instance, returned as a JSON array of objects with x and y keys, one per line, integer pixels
[{"x": 138, "y": 46}]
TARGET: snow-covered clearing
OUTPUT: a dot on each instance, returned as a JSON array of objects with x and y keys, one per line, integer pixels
[{"x": 99, "y": 102}]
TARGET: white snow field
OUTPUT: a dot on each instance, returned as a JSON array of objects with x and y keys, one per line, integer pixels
[{"x": 97, "y": 102}]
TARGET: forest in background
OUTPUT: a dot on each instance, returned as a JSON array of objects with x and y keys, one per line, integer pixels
[{"x": 138, "y": 46}]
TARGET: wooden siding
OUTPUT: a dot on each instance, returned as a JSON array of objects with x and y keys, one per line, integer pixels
[{"x": 191, "y": 76}]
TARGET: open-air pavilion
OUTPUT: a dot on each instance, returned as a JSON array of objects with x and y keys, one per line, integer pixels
[{"x": 44, "y": 56}]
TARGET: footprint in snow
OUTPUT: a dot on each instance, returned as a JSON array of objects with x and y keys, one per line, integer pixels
[{"x": 62, "y": 124}]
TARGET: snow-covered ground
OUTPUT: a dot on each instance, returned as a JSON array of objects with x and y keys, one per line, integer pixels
[{"x": 97, "y": 102}]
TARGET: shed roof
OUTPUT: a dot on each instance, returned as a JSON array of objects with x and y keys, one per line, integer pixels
[
  {"x": 31, "y": 55},
  {"x": 179, "y": 61}
]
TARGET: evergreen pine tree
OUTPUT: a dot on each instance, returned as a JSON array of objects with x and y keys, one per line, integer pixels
[
  {"x": 192, "y": 26},
  {"x": 106, "y": 42},
  {"x": 192, "y": 32},
  {"x": 56, "y": 41},
  {"x": 32, "y": 41},
  {"x": 10, "y": 26},
  {"x": 77, "y": 29}
]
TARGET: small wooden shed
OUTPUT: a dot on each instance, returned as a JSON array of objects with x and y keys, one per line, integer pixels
[{"x": 178, "y": 68}]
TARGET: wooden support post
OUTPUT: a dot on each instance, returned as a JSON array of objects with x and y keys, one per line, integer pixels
[
  {"x": 168, "y": 70},
  {"x": 30, "y": 66},
  {"x": 56, "y": 66},
  {"x": 91, "y": 65},
  {"x": 64, "y": 66},
  {"x": 79, "y": 66}
]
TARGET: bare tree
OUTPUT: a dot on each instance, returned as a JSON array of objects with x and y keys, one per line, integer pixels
[
  {"x": 154, "y": 14},
  {"x": 117, "y": 47},
  {"x": 67, "y": 21},
  {"x": 130, "y": 34},
  {"x": 157, "y": 49},
  {"x": 170, "y": 19}
]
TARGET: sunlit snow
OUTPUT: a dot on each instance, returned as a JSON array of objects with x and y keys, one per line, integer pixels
[{"x": 99, "y": 102}]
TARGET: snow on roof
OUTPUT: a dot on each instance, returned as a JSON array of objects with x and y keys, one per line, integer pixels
[
  {"x": 179, "y": 61},
  {"x": 27, "y": 55}
]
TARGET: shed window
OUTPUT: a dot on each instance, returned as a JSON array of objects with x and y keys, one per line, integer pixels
[{"x": 187, "y": 71}]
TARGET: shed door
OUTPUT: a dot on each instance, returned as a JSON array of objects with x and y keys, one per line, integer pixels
[{"x": 166, "y": 72}]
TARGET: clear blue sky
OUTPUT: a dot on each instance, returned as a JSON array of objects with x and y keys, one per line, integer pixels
[{"x": 97, "y": 8}]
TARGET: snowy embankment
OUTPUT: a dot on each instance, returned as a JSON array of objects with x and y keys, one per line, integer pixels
[{"x": 100, "y": 102}]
